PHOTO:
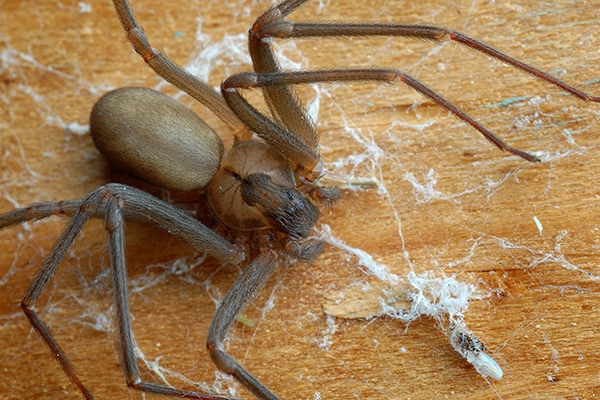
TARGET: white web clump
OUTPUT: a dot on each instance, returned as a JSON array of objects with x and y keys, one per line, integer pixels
[
  {"x": 407, "y": 299},
  {"x": 430, "y": 296}
]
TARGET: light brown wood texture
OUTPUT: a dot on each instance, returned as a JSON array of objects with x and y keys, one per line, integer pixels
[{"x": 450, "y": 203}]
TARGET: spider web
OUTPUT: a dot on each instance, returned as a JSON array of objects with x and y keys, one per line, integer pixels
[{"x": 450, "y": 211}]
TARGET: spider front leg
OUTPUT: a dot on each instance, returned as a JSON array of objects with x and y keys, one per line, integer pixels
[
  {"x": 287, "y": 109},
  {"x": 244, "y": 290},
  {"x": 282, "y": 138},
  {"x": 115, "y": 201}
]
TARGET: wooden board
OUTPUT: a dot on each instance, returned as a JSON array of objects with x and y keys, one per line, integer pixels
[{"x": 449, "y": 203}]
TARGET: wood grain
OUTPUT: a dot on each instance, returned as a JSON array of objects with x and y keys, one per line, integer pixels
[{"x": 450, "y": 203}]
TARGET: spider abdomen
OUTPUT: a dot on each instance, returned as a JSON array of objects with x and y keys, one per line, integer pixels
[{"x": 155, "y": 138}]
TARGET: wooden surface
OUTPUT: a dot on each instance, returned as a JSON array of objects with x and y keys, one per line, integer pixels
[{"x": 449, "y": 203}]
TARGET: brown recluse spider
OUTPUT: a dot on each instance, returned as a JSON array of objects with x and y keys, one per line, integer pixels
[{"x": 268, "y": 183}]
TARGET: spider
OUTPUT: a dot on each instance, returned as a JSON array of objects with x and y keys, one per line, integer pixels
[{"x": 268, "y": 183}]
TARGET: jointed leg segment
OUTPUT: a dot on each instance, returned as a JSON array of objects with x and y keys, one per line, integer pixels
[
  {"x": 171, "y": 72},
  {"x": 274, "y": 83},
  {"x": 249, "y": 284},
  {"x": 270, "y": 131},
  {"x": 109, "y": 201}
]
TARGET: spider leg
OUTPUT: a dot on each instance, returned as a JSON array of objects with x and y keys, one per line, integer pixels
[
  {"x": 114, "y": 201},
  {"x": 127, "y": 345},
  {"x": 37, "y": 211},
  {"x": 170, "y": 71},
  {"x": 290, "y": 122},
  {"x": 46, "y": 272},
  {"x": 277, "y": 26},
  {"x": 285, "y": 106},
  {"x": 272, "y": 132},
  {"x": 245, "y": 288}
]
